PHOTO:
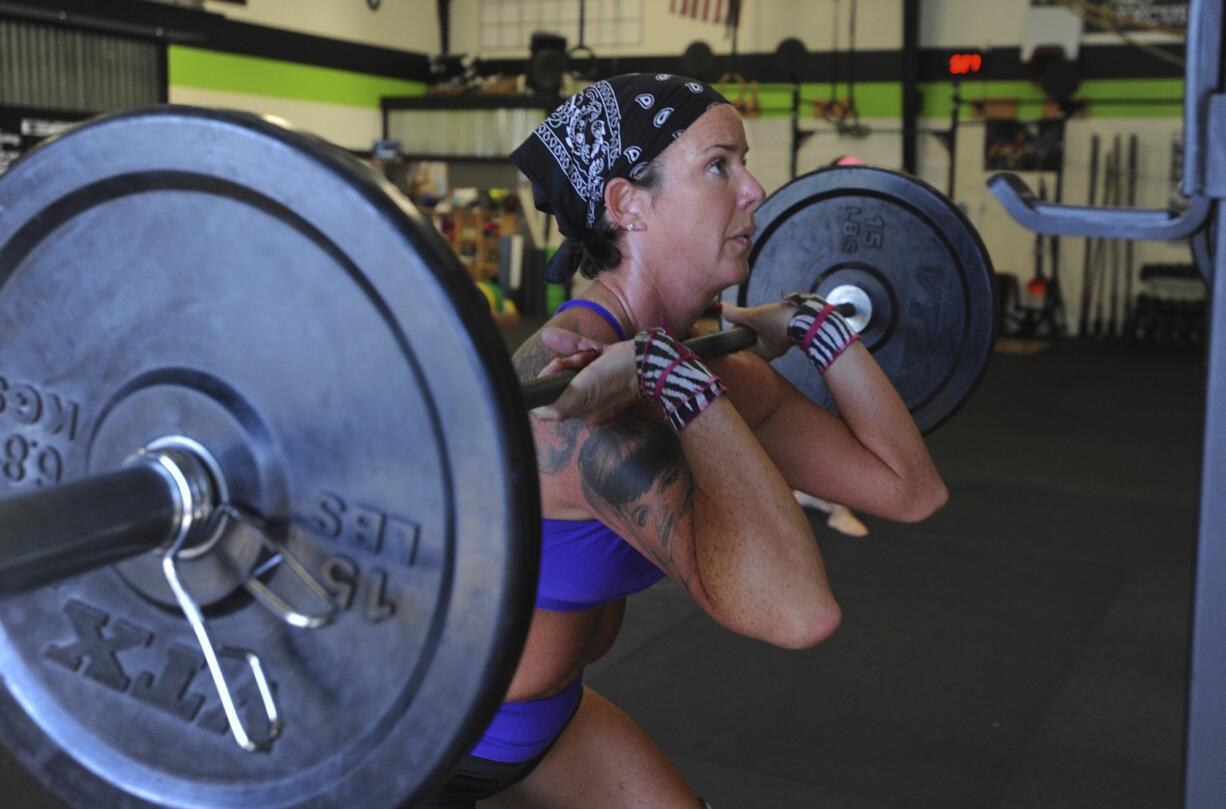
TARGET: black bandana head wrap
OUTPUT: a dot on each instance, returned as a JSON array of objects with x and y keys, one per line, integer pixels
[{"x": 612, "y": 129}]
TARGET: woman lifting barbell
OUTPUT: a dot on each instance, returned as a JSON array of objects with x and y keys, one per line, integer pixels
[{"x": 653, "y": 463}]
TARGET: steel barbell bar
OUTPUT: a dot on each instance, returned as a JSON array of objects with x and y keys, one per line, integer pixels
[
  {"x": 163, "y": 493},
  {"x": 547, "y": 389},
  {"x": 102, "y": 519}
]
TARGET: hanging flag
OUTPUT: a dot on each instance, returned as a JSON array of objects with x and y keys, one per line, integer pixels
[{"x": 723, "y": 12}]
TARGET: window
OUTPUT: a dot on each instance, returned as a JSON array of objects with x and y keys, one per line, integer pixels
[{"x": 509, "y": 24}]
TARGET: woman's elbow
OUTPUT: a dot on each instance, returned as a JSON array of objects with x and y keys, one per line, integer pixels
[
  {"x": 921, "y": 502},
  {"x": 809, "y": 627}
]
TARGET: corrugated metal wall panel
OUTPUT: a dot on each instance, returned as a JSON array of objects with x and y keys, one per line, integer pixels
[{"x": 46, "y": 67}]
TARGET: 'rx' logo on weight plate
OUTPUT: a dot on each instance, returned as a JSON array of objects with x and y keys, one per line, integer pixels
[{"x": 860, "y": 231}]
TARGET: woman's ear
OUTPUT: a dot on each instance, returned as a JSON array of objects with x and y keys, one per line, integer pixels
[{"x": 623, "y": 200}]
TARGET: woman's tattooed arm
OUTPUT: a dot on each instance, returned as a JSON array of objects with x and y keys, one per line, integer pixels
[
  {"x": 632, "y": 471},
  {"x": 555, "y": 444},
  {"x": 636, "y": 479}
]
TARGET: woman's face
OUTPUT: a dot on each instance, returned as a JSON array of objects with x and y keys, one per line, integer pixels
[{"x": 701, "y": 213}]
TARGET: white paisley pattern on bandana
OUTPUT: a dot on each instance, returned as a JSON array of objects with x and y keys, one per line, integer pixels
[{"x": 584, "y": 136}]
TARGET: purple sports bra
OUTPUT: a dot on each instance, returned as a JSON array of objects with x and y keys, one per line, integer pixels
[
  {"x": 582, "y": 303},
  {"x": 584, "y": 565}
]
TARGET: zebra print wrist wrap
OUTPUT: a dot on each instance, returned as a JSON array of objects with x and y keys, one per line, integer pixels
[
  {"x": 673, "y": 377},
  {"x": 821, "y": 332}
]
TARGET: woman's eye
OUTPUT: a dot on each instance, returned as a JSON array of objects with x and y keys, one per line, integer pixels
[{"x": 719, "y": 165}]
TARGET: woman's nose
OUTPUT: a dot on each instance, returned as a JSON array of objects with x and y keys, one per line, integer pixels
[{"x": 753, "y": 193}]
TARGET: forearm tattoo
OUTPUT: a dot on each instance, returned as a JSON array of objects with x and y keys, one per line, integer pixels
[{"x": 555, "y": 446}]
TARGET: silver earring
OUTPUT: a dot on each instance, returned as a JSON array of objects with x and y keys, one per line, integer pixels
[{"x": 630, "y": 226}]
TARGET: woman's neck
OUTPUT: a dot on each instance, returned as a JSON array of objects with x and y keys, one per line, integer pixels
[{"x": 637, "y": 302}]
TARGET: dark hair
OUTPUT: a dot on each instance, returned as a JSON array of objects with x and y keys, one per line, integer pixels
[{"x": 600, "y": 250}]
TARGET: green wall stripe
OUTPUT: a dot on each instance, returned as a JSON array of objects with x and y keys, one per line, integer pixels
[
  {"x": 874, "y": 99},
  {"x": 884, "y": 99},
  {"x": 251, "y": 75},
  {"x": 214, "y": 70},
  {"x": 1031, "y": 98},
  {"x": 1150, "y": 89}
]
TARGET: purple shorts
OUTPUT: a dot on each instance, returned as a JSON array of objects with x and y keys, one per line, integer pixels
[{"x": 523, "y": 730}]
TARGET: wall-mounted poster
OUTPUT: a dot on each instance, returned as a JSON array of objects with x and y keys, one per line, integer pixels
[{"x": 1023, "y": 146}]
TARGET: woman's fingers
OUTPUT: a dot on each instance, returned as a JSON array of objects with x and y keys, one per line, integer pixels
[
  {"x": 606, "y": 383},
  {"x": 570, "y": 362},
  {"x": 769, "y": 322},
  {"x": 574, "y": 402},
  {"x": 733, "y": 314}
]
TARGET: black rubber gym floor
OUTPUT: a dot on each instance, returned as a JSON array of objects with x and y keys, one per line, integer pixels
[{"x": 1026, "y": 647}]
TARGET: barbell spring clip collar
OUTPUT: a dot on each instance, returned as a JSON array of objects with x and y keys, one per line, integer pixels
[
  {"x": 195, "y": 617},
  {"x": 281, "y": 555}
]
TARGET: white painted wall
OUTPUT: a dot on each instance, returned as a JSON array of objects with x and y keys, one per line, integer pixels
[
  {"x": 404, "y": 24},
  {"x": 412, "y": 24},
  {"x": 770, "y": 148},
  {"x": 351, "y": 127},
  {"x": 1011, "y": 247},
  {"x": 763, "y": 24},
  {"x": 971, "y": 23},
  {"x": 818, "y": 23}
]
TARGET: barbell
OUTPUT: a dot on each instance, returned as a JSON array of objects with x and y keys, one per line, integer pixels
[{"x": 269, "y": 496}]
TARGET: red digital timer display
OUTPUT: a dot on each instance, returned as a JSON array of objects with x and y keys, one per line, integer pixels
[{"x": 962, "y": 64}]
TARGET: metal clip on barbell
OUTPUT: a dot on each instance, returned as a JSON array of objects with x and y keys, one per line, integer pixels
[{"x": 165, "y": 500}]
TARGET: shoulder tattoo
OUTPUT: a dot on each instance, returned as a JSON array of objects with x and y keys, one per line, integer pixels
[{"x": 634, "y": 474}]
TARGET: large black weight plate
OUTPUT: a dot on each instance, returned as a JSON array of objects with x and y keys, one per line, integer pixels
[
  {"x": 217, "y": 276},
  {"x": 918, "y": 258}
]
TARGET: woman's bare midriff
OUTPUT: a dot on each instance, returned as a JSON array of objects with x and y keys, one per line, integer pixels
[{"x": 559, "y": 645}]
